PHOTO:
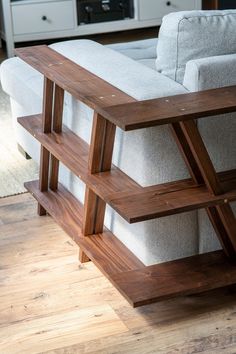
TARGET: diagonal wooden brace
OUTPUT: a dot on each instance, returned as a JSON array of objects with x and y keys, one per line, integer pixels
[
  {"x": 180, "y": 136},
  {"x": 221, "y": 217}
]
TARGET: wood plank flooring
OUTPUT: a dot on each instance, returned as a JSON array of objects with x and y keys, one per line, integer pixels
[{"x": 49, "y": 303}]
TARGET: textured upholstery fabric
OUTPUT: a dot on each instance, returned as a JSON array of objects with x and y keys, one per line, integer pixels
[
  {"x": 15, "y": 74},
  {"x": 123, "y": 71},
  {"x": 150, "y": 63},
  {"x": 192, "y": 35},
  {"x": 219, "y": 132},
  {"x": 144, "y": 51},
  {"x": 148, "y": 155},
  {"x": 138, "y": 50}
]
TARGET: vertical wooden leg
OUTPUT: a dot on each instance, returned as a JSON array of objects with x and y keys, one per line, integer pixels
[
  {"x": 45, "y": 155},
  {"x": 58, "y": 109},
  {"x": 54, "y": 170},
  {"x": 100, "y": 158},
  {"x": 57, "y": 128},
  {"x": 83, "y": 258},
  {"x": 47, "y": 105},
  {"x": 94, "y": 212},
  {"x": 43, "y": 175}
]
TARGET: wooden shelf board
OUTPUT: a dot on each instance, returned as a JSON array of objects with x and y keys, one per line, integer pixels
[
  {"x": 159, "y": 111},
  {"x": 80, "y": 83},
  {"x": 155, "y": 203},
  {"x": 73, "y": 152},
  {"x": 118, "y": 107},
  {"x": 133, "y": 202},
  {"x": 139, "y": 284},
  {"x": 176, "y": 278},
  {"x": 105, "y": 250}
]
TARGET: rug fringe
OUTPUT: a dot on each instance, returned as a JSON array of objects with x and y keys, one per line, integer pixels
[{"x": 12, "y": 195}]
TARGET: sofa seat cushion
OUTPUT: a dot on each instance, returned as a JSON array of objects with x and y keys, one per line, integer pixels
[
  {"x": 137, "y": 50},
  {"x": 150, "y": 63},
  {"x": 144, "y": 51},
  {"x": 192, "y": 35}
]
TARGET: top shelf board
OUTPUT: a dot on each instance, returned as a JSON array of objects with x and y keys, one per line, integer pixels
[
  {"x": 159, "y": 111},
  {"x": 80, "y": 83},
  {"x": 116, "y": 106}
]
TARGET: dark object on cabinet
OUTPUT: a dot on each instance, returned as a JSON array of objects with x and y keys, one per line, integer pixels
[{"x": 93, "y": 11}]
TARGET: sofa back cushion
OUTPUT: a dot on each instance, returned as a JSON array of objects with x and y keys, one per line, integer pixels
[{"x": 188, "y": 35}]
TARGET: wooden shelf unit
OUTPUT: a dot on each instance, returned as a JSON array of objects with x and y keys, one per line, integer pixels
[{"x": 106, "y": 184}]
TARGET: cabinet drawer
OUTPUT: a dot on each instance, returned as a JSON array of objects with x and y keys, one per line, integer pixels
[
  {"x": 42, "y": 17},
  {"x": 151, "y": 9}
]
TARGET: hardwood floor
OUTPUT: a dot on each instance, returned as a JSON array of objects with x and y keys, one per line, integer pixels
[{"x": 49, "y": 303}]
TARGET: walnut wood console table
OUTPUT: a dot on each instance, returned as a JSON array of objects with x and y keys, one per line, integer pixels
[{"x": 106, "y": 184}]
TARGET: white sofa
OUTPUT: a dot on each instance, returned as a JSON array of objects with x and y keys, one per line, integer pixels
[{"x": 195, "y": 51}]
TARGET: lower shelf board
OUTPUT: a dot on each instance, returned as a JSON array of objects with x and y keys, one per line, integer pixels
[
  {"x": 184, "y": 276},
  {"x": 133, "y": 202},
  {"x": 105, "y": 250},
  {"x": 139, "y": 284}
]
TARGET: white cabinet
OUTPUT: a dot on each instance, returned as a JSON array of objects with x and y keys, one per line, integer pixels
[
  {"x": 151, "y": 9},
  {"x": 42, "y": 17},
  {"x": 29, "y": 20}
]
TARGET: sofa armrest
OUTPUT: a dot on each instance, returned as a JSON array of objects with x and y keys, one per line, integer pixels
[
  {"x": 131, "y": 77},
  {"x": 210, "y": 72},
  {"x": 16, "y": 74},
  {"x": 118, "y": 106}
]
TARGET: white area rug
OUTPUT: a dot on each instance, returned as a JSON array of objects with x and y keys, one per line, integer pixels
[{"x": 14, "y": 168}]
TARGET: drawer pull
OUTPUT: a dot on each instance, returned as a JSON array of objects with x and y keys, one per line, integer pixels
[
  {"x": 44, "y": 18},
  {"x": 168, "y": 3}
]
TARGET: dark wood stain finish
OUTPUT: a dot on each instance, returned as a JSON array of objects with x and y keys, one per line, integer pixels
[
  {"x": 72, "y": 77},
  {"x": 159, "y": 111},
  {"x": 130, "y": 200},
  {"x": 73, "y": 152},
  {"x": 176, "y": 278},
  {"x": 180, "y": 135},
  {"x": 139, "y": 284},
  {"x": 104, "y": 249},
  {"x": 107, "y": 184}
]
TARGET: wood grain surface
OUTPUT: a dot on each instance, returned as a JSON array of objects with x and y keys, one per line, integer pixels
[
  {"x": 99, "y": 160},
  {"x": 181, "y": 277},
  {"x": 105, "y": 250},
  {"x": 124, "y": 270},
  {"x": 73, "y": 152},
  {"x": 172, "y": 198},
  {"x": 133, "y": 202},
  {"x": 83, "y": 85},
  {"x": 49, "y": 303},
  {"x": 139, "y": 284},
  {"x": 195, "y": 168},
  {"x": 159, "y": 111},
  {"x": 211, "y": 179}
]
